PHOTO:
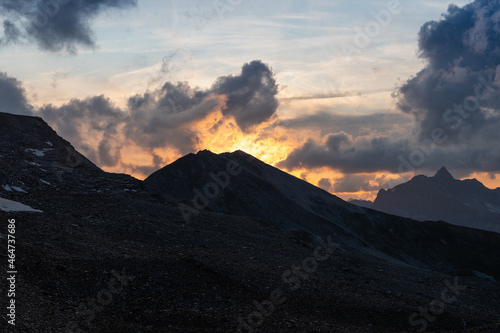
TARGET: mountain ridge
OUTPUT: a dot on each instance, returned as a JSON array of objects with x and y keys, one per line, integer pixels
[
  {"x": 442, "y": 197},
  {"x": 300, "y": 209}
]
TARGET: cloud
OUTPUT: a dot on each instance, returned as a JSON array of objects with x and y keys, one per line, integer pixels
[
  {"x": 328, "y": 121},
  {"x": 340, "y": 151},
  {"x": 55, "y": 25},
  {"x": 325, "y": 184},
  {"x": 337, "y": 94},
  {"x": 92, "y": 125},
  {"x": 11, "y": 33},
  {"x": 358, "y": 183},
  {"x": 251, "y": 96},
  {"x": 456, "y": 89},
  {"x": 354, "y": 183},
  {"x": 13, "y": 96},
  {"x": 58, "y": 75},
  {"x": 164, "y": 117},
  {"x": 456, "y": 94}
]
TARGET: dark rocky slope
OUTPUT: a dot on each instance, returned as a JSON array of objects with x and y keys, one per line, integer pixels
[{"x": 302, "y": 210}]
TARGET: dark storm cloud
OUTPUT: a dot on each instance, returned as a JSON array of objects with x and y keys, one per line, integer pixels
[
  {"x": 13, "y": 96},
  {"x": 251, "y": 96},
  {"x": 109, "y": 154},
  {"x": 385, "y": 153},
  {"x": 340, "y": 151},
  {"x": 456, "y": 90},
  {"x": 163, "y": 117},
  {"x": 11, "y": 33},
  {"x": 455, "y": 95},
  {"x": 55, "y": 25},
  {"x": 83, "y": 122}
]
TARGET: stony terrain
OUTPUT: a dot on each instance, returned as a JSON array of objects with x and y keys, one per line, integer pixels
[{"x": 111, "y": 254}]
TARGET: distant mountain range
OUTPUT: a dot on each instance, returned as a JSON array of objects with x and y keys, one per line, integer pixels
[
  {"x": 362, "y": 203},
  {"x": 443, "y": 198}
]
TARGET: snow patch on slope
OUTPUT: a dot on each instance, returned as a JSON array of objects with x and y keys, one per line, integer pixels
[
  {"x": 32, "y": 163},
  {"x": 493, "y": 209},
  {"x": 14, "y": 206},
  {"x": 38, "y": 152},
  {"x": 18, "y": 189}
]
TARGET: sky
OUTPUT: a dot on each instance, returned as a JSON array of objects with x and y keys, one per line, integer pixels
[{"x": 352, "y": 96}]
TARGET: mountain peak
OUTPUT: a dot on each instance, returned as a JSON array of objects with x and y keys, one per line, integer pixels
[
  {"x": 205, "y": 152},
  {"x": 443, "y": 173}
]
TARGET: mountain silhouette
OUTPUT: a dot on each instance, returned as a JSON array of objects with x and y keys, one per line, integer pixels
[
  {"x": 443, "y": 198},
  {"x": 203, "y": 182}
]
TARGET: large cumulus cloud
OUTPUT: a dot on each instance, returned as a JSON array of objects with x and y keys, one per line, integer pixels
[
  {"x": 13, "y": 96},
  {"x": 456, "y": 90},
  {"x": 54, "y": 25},
  {"x": 251, "y": 96},
  {"x": 454, "y": 99},
  {"x": 92, "y": 125}
]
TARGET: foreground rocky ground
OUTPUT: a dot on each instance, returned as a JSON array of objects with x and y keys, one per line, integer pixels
[{"x": 203, "y": 276}]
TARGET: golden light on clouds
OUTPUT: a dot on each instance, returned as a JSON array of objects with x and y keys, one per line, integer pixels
[{"x": 269, "y": 142}]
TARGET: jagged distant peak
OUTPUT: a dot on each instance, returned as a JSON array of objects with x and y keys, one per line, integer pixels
[{"x": 443, "y": 173}]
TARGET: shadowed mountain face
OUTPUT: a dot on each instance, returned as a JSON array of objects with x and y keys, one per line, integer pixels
[
  {"x": 109, "y": 253},
  {"x": 362, "y": 203},
  {"x": 443, "y": 198},
  {"x": 34, "y": 158},
  {"x": 203, "y": 181}
]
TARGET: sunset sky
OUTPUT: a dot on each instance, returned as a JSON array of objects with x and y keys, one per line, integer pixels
[{"x": 134, "y": 85}]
